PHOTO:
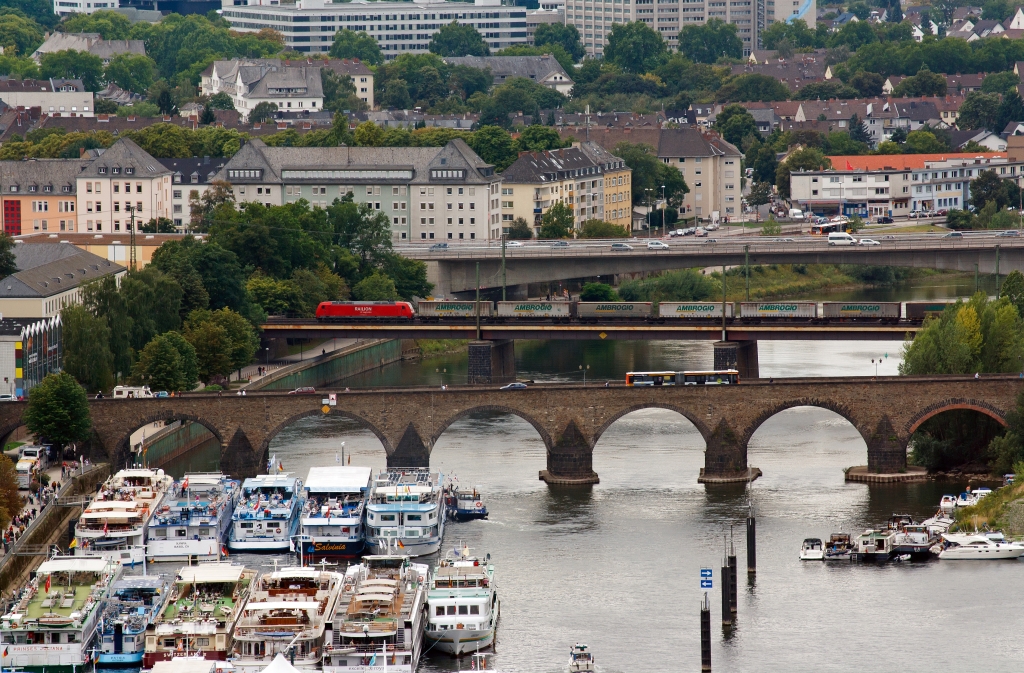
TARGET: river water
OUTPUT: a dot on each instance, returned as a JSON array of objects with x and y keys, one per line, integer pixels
[{"x": 616, "y": 565}]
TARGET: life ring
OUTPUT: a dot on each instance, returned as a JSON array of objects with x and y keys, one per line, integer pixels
[{"x": 479, "y": 505}]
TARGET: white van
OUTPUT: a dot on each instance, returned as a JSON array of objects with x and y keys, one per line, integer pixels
[
  {"x": 796, "y": 214},
  {"x": 132, "y": 391},
  {"x": 841, "y": 238},
  {"x": 38, "y": 453}
]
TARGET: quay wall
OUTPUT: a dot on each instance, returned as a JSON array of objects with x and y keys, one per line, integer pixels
[
  {"x": 175, "y": 441},
  {"x": 334, "y": 366}
]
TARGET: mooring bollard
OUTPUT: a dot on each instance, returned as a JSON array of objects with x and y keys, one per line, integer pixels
[
  {"x": 705, "y": 634},
  {"x": 726, "y": 597},
  {"x": 751, "y": 544}
]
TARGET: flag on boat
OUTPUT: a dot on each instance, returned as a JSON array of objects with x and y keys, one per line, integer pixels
[
  {"x": 74, "y": 543},
  {"x": 373, "y": 660},
  {"x": 400, "y": 545},
  {"x": 184, "y": 484},
  {"x": 224, "y": 551},
  {"x": 106, "y": 529},
  {"x": 47, "y": 590},
  {"x": 6, "y": 650},
  {"x": 455, "y": 551}
]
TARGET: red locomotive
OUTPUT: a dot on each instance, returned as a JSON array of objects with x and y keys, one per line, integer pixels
[{"x": 328, "y": 310}]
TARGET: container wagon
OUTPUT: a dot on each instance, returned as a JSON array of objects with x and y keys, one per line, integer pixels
[
  {"x": 453, "y": 309},
  {"x": 690, "y": 309},
  {"x": 778, "y": 309},
  {"x": 534, "y": 309},
  {"x": 613, "y": 309},
  {"x": 919, "y": 310},
  {"x": 853, "y": 310}
]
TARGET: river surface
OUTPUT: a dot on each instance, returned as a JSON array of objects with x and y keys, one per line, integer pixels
[{"x": 616, "y": 565}]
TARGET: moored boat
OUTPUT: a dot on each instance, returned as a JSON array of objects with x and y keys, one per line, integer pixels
[
  {"x": 332, "y": 516},
  {"x": 267, "y": 514},
  {"x": 812, "y": 550},
  {"x": 53, "y": 622},
  {"x": 287, "y": 613},
  {"x": 977, "y": 547},
  {"x": 133, "y": 604},
  {"x": 947, "y": 504},
  {"x": 192, "y": 521},
  {"x": 581, "y": 659},
  {"x": 965, "y": 499},
  {"x": 839, "y": 547},
  {"x": 915, "y": 541},
  {"x": 462, "y": 604},
  {"x": 406, "y": 509},
  {"x": 199, "y": 616},
  {"x": 873, "y": 545},
  {"x": 378, "y": 621},
  {"x": 465, "y": 504}
]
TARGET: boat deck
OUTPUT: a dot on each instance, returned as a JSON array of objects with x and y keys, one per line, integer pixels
[
  {"x": 62, "y": 600},
  {"x": 220, "y": 607}
]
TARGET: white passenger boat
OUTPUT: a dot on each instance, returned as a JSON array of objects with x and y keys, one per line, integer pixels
[
  {"x": 407, "y": 510},
  {"x": 133, "y": 605},
  {"x": 287, "y": 613},
  {"x": 332, "y": 516},
  {"x": 874, "y": 545},
  {"x": 581, "y": 659},
  {"x": 812, "y": 550},
  {"x": 52, "y": 623},
  {"x": 199, "y": 616},
  {"x": 267, "y": 514},
  {"x": 114, "y": 523},
  {"x": 192, "y": 521},
  {"x": 977, "y": 547},
  {"x": 378, "y": 623},
  {"x": 462, "y": 604}
]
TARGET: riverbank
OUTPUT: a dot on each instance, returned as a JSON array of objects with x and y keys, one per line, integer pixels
[
  {"x": 1002, "y": 510},
  {"x": 433, "y": 347},
  {"x": 784, "y": 281}
]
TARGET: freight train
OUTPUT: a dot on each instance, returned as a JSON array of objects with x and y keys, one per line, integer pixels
[{"x": 582, "y": 311}]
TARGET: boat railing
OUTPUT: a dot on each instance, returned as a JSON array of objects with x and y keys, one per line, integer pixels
[{"x": 390, "y": 648}]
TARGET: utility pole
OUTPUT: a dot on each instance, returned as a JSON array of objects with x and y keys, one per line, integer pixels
[
  {"x": 723, "y": 302},
  {"x": 746, "y": 257},
  {"x": 502, "y": 267},
  {"x": 664, "y": 207}
]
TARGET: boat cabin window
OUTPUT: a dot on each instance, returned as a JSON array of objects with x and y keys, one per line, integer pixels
[
  {"x": 246, "y": 525},
  {"x": 440, "y": 610},
  {"x": 451, "y": 609},
  {"x": 387, "y": 517},
  {"x": 463, "y": 609},
  {"x": 474, "y": 609},
  {"x": 414, "y": 517}
]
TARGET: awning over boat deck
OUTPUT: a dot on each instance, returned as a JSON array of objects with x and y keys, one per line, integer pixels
[
  {"x": 380, "y": 598},
  {"x": 282, "y": 605},
  {"x": 212, "y": 572},
  {"x": 338, "y": 479},
  {"x": 73, "y": 564}
]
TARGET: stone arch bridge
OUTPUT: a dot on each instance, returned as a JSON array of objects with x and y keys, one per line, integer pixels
[{"x": 570, "y": 419}]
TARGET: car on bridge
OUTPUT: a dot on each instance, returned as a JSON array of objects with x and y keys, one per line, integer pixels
[
  {"x": 516, "y": 385},
  {"x": 1008, "y": 233},
  {"x": 513, "y": 244},
  {"x": 439, "y": 246},
  {"x": 953, "y": 234},
  {"x": 657, "y": 245},
  {"x": 560, "y": 244},
  {"x": 621, "y": 247},
  {"x": 303, "y": 390},
  {"x": 868, "y": 241}
]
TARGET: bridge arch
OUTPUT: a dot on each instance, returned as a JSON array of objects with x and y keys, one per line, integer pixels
[
  {"x": 775, "y": 409},
  {"x": 688, "y": 414},
  {"x": 119, "y": 452},
  {"x": 937, "y": 408},
  {"x": 263, "y": 450},
  {"x": 500, "y": 408}
]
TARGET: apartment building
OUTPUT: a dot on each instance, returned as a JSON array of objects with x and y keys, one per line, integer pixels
[
  {"x": 580, "y": 177},
  {"x": 594, "y": 18},
  {"x": 544, "y": 70},
  {"x": 92, "y": 43},
  {"x": 39, "y": 195},
  {"x": 69, "y": 7},
  {"x": 123, "y": 184},
  {"x": 356, "y": 70},
  {"x": 190, "y": 178},
  {"x": 250, "y": 82},
  {"x": 430, "y": 193},
  {"x": 309, "y": 26},
  {"x": 50, "y": 276},
  {"x": 55, "y": 97}
]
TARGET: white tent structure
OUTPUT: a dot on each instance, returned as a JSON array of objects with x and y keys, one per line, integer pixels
[{"x": 280, "y": 665}]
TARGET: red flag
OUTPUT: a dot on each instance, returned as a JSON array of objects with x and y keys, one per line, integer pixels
[
  {"x": 47, "y": 589},
  {"x": 105, "y": 529},
  {"x": 848, "y": 166}
]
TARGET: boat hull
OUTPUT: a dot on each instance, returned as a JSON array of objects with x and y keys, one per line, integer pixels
[
  {"x": 335, "y": 548},
  {"x": 183, "y": 550},
  {"x": 458, "y": 642},
  {"x": 267, "y": 545},
  {"x": 462, "y": 515},
  {"x": 150, "y": 658},
  {"x": 122, "y": 659},
  {"x": 983, "y": 554},
  {"x": 870, "y": 557},
  {"x": 126, "y": 557},
  {"x": 409, "y": 548}
]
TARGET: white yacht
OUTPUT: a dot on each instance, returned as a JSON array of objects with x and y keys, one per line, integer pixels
[
  {"x": 947, "y": 504},
  {"x": 114, "y": 523},
  {"x": 581, "y": 659},
  {"x": 378, "y": 623},
  {"x": 962, "y": 546},
  {"x": 267, "y": 514},
  {"x": 462, "y": 604},
  {"x": 332, "y": 517},
  {"x": 287, "y": 613},
  {"x": 406, "y": 509},
  {"x": 812, "y": 550},
  {"x": 192, "y": 521}
]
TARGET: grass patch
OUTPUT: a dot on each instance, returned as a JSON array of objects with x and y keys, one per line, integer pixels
[
  {"x": 910, "y": 229},
  {"x": 10, "y": 446},
  {"x": 785, "y": 280},
  {"x": 432, "y": 347},
  {"x": 1002, "y": 509}
]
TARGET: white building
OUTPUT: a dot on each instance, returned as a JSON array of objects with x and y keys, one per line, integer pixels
[
  {"x": 123, "y": 183},
  {"x": 55, "y": 97},
  {"x": 190, "y": 178},
  {"x": 250, "y": 82},
  {"x": 309, "y": 25},
  {"x": 69, "y": 7}
]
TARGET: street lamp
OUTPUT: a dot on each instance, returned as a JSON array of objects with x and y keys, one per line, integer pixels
[
  {"x": 584, "y": 370},
  {"x": 648, "y": 190},
  {"x": 876, "y": 363},
  {"x": 664, "y": 207}
]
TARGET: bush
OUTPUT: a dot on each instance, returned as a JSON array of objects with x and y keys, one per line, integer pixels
[
  {"x": 685, "y": 285},
  {"x": 598, "y": 292},
  {"x": 216, "y": 387},
  {"x": 771, "y": 227}
]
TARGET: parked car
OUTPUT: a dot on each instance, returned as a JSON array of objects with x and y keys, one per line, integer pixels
[
  {"x": 1008, "y": 233},
  {"x": 621, "y": 247},
  {"x": 6, "y": 397},
  {"x": 953, "y": 234},
  {"x": 942, "y": 211},
  {"x": 700, "y": 232},
  {"x": 439, "y": 246},
  {"x": 884, "y": 219},
  {"x": 161, "y": 393},
  {"x": 914, "y": 214},
  {"x": 868, "y": 241},
  {"x": 657, "y": 245},
  {"x": 516, "y": 385},
  {"x": 303, "y": 390}
]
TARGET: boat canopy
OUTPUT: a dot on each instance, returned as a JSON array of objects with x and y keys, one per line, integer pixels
[
  {"x": 281, "y": 605},
  {"x": 338, "y": 479},
  {"x": 211, "y": 573},
  {"x": 63, "y": 564}
]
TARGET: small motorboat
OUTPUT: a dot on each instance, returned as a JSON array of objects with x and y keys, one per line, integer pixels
[
  {"x": 965, "y": 499},
  {"x": 981, "y": 492},
  {"x": 839, "y": 547},
  {"x": 466, "y": 504},
  {"x": 938, "y": 524},
  {"x": 978, "y": 547},
  {"x": 812, "y": 550},
  {"x": 948, "y": 503},
  {"x": 581, "y": 660}
]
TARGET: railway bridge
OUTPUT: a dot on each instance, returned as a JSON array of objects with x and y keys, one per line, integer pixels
[{"x": 570, "y": 419}]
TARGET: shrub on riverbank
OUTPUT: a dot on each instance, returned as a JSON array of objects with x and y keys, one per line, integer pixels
[{"x": 432, "y": 347}]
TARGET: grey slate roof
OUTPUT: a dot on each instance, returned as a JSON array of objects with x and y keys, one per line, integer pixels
[
  {"x": 262, "y": 76},
  {"x": 204, "y": 168},
  {"x": 60, "y": 175},
  {"x": 90, "y": 42},
  {"x": 47, "y": 269},
  {"x": 549, "y": 166},
  {"x": 125, "y": 153},
  {"x": 505, "y": 67}
]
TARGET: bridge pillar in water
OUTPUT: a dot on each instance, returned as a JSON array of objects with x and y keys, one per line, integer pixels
[
  {"x": 492, "y": 361},
  {"x": 570, "y": 459},
  {"x": 411, "y": 450},
  {"x": 887, "y": 452},
  {"x": 725, "y": 459},
  {"x": 738, "y": 355}
]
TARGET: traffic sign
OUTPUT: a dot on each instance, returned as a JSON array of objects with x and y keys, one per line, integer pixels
[
  {"x": 705, "y": 572},
  {"x": 326, "y": 409},
  {"x": 706, "y": 584},
  {"x": 705, "y": 578}
]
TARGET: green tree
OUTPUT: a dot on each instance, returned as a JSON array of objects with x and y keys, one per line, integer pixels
[
  {"x": 649, "y": 173},
  {"x": 208, "y": 116},
  {"x": 634, "y": 47},
  {"x": 1013, "y": 290},
  {"x": 131, "y": 72},
  {"x": 537, "y": 138},
  {"x": 495, "y": 146},
  {"x": 58, "y": 410},
  {"x": 809, "y": 158},
  {"x": 771, "y": 227},
  {"x": 8, "y": 263},
  {"x": 562, "y": 34},
  {"x": 867, "y": 84},
  {"x": 375, "y": 287},
  {"x": 735, "y": 123},
  {"x": 859, "y": 130},
  {"x": 825, "y": 91},
  {"x": 71, "y": 64},
  {"x": 189, "y": 367},
  {"x": 708, "y": 42},
  {"x": 558, "y": 221},
  {"x": 221, "y": 101},
  {"x": 979, "y": 111},
  {"x": 1011, "y": 109},
  {"x": 368, "y": 134},
  {"x": 19, "y": 35},
  {"x": 110, "y": 25},
  {"x": 752, "y": 87},
  {"x": 520, "y": 230},
  {"x": 409, "y": 276},
  {"x": 923, "y": 142},
  {"x": 275, "y": 297},
  {"x": 87, "y": 354},
  {"x": 765, "y": 164},
  {"x": 159, "y": 366},
  {"x": 457, "y": 39},
  {"x": 684, "y": 285},
  {"x": 1000, "y": 82},
  {"x": 602, "y": 229},
  {"x": 350, "y": 44},
  {"x": 760, "y": 194},
  {"x": 989, "y": 188},
  {"x": 924, "y": 83},
  {"x": 213, "y": 350},
  {"x": 597, "y": 292},
  {"x": 262, "y": 112}
]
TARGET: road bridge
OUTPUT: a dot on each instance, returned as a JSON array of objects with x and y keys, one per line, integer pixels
[
  {"x": 570, "y": 419},
  {"x": 453, "y": 271}
]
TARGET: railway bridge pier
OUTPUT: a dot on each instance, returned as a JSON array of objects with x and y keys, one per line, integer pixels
[{"x": 569, "y": 419}]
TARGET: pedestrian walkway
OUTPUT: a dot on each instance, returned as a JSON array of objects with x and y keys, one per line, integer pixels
[
  {"x": 257, "y": 371},
  {"x": 34, "y": 503}
]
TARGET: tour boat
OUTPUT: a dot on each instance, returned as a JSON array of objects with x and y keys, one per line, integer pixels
[
  {"x": 947, "y": 504},
  {"x": 839, "y": 547},
  {"x": 287, "y": 613},
  {"x": 462, "y": 604},
  {"x": 332, "y": 517},
  {"x": 581, "y": 660},
  {"x": 192, "y": 521},
  {"x": 199, "y": 616},
  {"x": 811, "y": 550},
  {"x": 873, "y": 545},
  {"x": 134, "y": 603},
  {"x": 378, "y": 622},
  {"x": 465, "y": 504},
  {"x": 52, "y": 623},
  {"x": 114, "y": 523},
  {"x": 407, "y": 509},
  {"x": 267, "y": 515},
  {"x": 961, "y": 546}
]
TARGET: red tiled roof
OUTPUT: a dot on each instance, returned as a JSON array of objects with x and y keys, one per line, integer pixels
[{"x": 902, "y": 162}]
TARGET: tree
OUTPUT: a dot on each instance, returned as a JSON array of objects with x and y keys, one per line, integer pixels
[
  {"x": 752, "y": 87},
  {"x": 409, "y": 276},
  {"x": 602, "y": 229},
  {"x": 711, "y": 41},
  {"x": 110, "y": 25},
  {"x": 208, "y": 117},
  {"x": 859, "y": 130},
  {"x": 735, "y": 123},
  {"x": 809, "y": 158},
  {"x": 1013, "y": 290},
  {"x": 375, "y": 287},
  {"x": 1000, "y": 82},
  {"x": 650, "y": 173},
  {"x": 275, "y": 297},
  {"x": 562, "y": 34},
  {"x": 71, "y": 64},
  {"x": 634, "y": 47},
  {"x": 558, "y": 222},
  {"x": 924, "y": 83},
  {"x": 520, "y": 230},
  {"x": 457, "y": 39},
  {"x": 369, "y": 134},
  {"x": 867, "y": 84},
  {"x": 189, "y": 367},
  {"x": 264, "y": 111},
  {"x": 990, "y": 188},
  {"x": 765, "y": 164},
  {"x": 760, "y": 194},
  {"x": 221, "y": 101},
  {"x": 537, "y": 138},
  {"x": 8, "y": 263},
  {"x": 598, "y": 292},
  {"x": 979, "y": 111},
  {"x": 19, "y": 35},
  {"x": 495, "y": 146},
  {"x": 159, "y": 366},
  {"x": 825, "y": 91},
  {"x": 213, "y": 350},
  {"x": 1011, "y": 109},
  {"x": 771, "y": 227},
  {"x": 87, "y": 354},
  {"x": 58, "y": 410},
  {"x": 350, "y": 44},
  {"x": 923, "y": 142},
  {"x": 131, "y": 72}
]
